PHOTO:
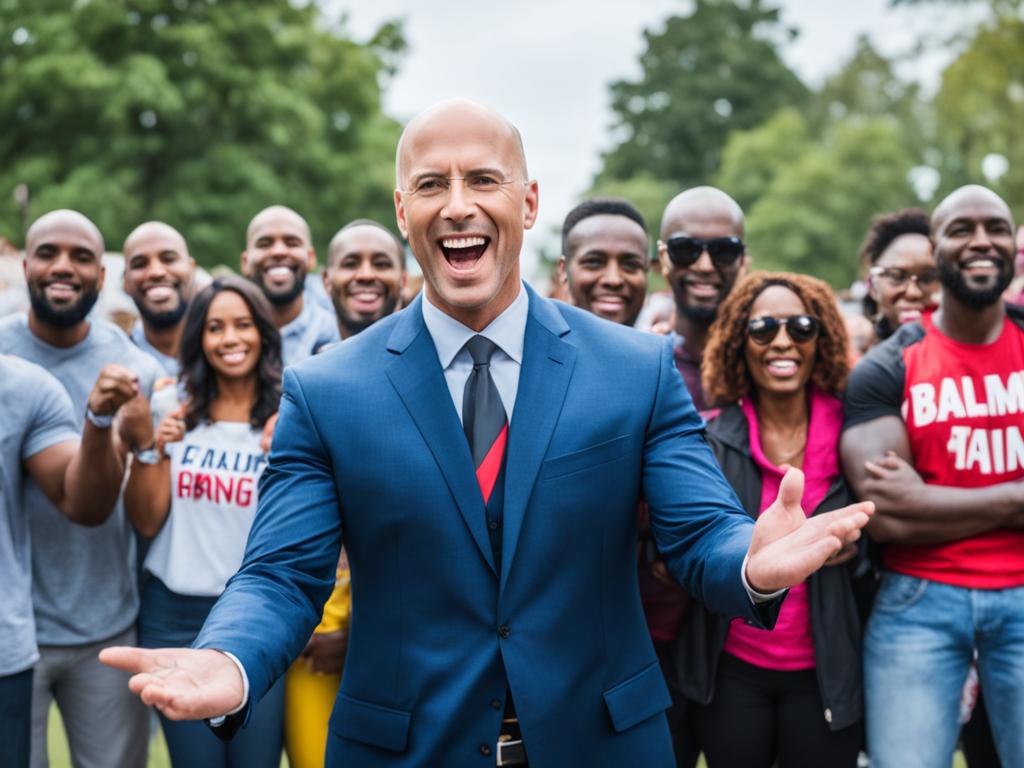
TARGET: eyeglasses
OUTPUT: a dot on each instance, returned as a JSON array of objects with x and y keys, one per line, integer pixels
[
  {"x": 477, "y": 183},
  {"x": 900, "y": 277},
  {"x": 799, "y": 328},
  {"x": 683, "y": 251}
]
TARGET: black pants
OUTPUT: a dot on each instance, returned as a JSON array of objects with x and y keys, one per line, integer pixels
[{"x": 760, "y": 716}]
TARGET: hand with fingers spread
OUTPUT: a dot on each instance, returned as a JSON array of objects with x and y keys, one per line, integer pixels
[
  {"x": 114, "y": 387},
  {"x": 787, "y": 546},
  {"x": 183, "y": 683}
]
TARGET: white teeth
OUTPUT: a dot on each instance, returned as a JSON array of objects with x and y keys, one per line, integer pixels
[
  {"x": 278, "y": 271},
  {"x": 782, "y": 366},
  {"x": 462, "y": 242},
  {"x": 159, "y": 292},
  {"x": 984, "y": 263},
  {"x": 232, "y": 358}
]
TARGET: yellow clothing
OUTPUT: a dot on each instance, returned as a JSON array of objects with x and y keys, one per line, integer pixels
[{"x": 309, "y": 697}]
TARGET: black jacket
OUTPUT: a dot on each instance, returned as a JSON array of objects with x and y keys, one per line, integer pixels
[{"x": 835, "y": 622}]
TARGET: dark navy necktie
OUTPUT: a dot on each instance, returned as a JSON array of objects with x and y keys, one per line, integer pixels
[{"x": 483, "y": 416}]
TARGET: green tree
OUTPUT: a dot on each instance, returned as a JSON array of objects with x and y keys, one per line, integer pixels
[
  {"x": 196, "y": 112},
  {"x": 704, "y": 75},
  {"x": 813, "y": 216},
  {"x": 980, "y": 110}
]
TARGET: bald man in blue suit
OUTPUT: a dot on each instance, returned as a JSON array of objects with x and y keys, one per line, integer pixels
[{"x": 461, "y": 606}]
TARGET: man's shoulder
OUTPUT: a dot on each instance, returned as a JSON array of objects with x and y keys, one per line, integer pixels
[
  {"x": 356, "y": 357},
  {"x": 12, "y": 329},
  {"x": 116, "y": 346},
  {"x": 612, "y": 337}
]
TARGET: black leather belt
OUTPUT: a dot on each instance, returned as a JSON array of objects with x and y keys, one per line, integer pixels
[{"x": 511, "y": 752}]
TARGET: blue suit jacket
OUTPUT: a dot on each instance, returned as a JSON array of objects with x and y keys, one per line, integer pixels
[{"x": 369, "y": 450}]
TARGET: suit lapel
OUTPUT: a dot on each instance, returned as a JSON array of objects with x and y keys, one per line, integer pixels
[
  {"x": 543, "y": 381},
  {"x": 417, "y": 377}
]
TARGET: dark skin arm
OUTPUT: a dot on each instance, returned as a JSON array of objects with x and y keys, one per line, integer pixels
[
  {"x": 83, "y": 481},
  {"x": 877, "y": 461},
  {"x": 147, "y": 496}
]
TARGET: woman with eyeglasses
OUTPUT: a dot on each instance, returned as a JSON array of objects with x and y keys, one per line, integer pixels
[
  {"x": 775, "y": 364},
  {"x": 903, "y": 280},
  {"x": 195, "y": 489}
]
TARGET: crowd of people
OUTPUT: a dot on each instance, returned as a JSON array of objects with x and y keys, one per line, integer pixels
[{"x": 132, "y": 464}]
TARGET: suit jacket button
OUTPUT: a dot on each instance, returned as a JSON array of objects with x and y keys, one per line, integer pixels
[
  {"x": 504, "y": 631},
  {"x": 485, "y": 750},
  {"x": 495, "y": 703},
  {"x": 828, "y": 715}
]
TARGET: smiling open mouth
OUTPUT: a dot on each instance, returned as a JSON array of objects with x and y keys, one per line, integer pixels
[{"x": 463, "y": 252}]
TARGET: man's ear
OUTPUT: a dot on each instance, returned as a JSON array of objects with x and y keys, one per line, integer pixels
[
  {"x": 311, "y": 260},
  {"x": 103, "y": 276},
  {"x": 531, "y": 204},
  {"x": 245, "y": 264},
  {"x": 563, "y": 272},
  {"x": 666, "y": 265},
  {"x": 400, "y": 214}
]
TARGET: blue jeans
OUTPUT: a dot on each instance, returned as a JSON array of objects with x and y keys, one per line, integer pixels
[
  {"x": 167, "y": 619},
  {"x": 919, "y": 644}
]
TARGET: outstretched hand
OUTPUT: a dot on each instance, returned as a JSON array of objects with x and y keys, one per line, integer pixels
[
  {"x": 183, "y": 683},
  {"x": 787, "y": 546}
]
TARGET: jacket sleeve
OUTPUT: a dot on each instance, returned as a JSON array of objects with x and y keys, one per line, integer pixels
[
  {"x": 269, "y": 608},
  {"x": 700, "y": 528}
]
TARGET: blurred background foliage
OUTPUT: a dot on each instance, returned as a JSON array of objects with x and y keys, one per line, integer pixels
[
  {"x": 200, "y": 112},
  {"x": 716, "y": 104},
  {"x": 195, "y": 112}
]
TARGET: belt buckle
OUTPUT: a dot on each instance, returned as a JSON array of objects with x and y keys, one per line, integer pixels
[{"x": 511, "y": 752}]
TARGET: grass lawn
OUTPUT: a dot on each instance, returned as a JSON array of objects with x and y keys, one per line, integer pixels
[
  {"x": 60, "y": 757},
  {"x": 158, "y": 758}
]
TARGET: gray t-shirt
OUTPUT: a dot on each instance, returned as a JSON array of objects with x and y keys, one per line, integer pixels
[
  {"x": 83, "y": 579},
  {"x": 35, "y": 414}
]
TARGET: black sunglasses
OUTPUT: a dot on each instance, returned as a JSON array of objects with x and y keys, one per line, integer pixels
[
  {"x": 800, "y": 328},
  {"x": 683, "y": 251}
]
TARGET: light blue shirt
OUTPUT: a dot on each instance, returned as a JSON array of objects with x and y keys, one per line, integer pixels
[
  {"x": 304, "y": 336},
  {"x": 507, "y": 330},
  {"x": 167, "y": 362}
]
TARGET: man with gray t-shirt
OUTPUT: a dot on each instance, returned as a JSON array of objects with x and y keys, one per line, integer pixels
[
  {"x": 83, "y": 580},
  {"x": 39, "y": 439}
]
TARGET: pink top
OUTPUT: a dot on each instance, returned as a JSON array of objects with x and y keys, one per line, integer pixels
[{"x": 790, "y": 646}]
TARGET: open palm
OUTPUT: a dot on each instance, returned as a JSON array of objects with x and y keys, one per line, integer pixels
[
  {"x": 787, "y": 546},
  {"x": 183, "y": 683}
]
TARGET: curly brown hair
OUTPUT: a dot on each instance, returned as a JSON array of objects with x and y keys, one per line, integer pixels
[{"x": 724, "y": 371}]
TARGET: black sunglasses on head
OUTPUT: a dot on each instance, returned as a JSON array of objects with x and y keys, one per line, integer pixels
[
  {"x": 800, "y": 328},
  {"x": 683, "y": 250}
]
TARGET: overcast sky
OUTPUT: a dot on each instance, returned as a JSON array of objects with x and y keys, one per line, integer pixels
[{"x": 547, "y": 64}]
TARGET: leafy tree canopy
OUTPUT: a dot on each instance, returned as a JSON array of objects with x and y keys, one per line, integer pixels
[
  {"x": 704, "y": 75},
  {"x": 194, "y": 112}
]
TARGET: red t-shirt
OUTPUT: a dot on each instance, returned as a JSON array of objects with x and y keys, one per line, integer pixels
[{"x": 963, "y": 405}]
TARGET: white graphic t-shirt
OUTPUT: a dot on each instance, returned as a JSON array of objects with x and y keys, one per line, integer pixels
[{"x": 214, "y": 472}]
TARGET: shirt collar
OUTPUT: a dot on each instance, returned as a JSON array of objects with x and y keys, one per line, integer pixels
[
  {"x": 301, "y": 321},
  {"x": 507, "y": 330}
]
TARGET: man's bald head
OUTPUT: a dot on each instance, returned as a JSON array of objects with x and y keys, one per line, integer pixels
[
  {"x": 701, "y": 204},
  {"x": 454, "y": 110},
  {"x": 152, "y": 231},
  {"x": 278, "y": 213},
  {"x": 64, "y": 222},
  {"x": 968, "y": 197}
]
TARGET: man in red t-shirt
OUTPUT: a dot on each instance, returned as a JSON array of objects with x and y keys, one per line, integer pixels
[{"x": 935, "y": 437}]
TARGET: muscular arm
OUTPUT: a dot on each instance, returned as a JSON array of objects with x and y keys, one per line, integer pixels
[
  {"x": 82, "y": 482},
  {"x": 909, "y": 511}
]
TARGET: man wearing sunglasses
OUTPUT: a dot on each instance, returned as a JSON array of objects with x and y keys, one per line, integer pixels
[
  {"x": 702, "y": 255},
  {"x": 934, "y": 436}
]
